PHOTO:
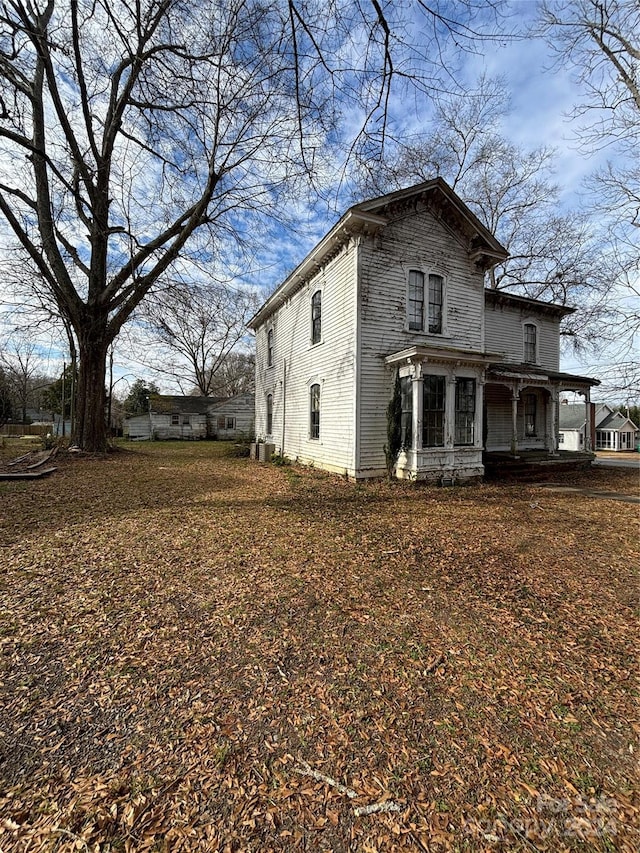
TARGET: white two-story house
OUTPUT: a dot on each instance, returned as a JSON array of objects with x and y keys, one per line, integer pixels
[{"x": 396, "y": 288}]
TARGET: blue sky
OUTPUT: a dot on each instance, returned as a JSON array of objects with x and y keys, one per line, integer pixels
[{"x": 541, "y": 97}]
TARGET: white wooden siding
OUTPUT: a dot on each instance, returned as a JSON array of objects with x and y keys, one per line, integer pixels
[
  {"x": 573, "y": 439},
  {"x": 297, "y": 364},
  {"x": 162, "y": 428},
  {"x": 504, "y": 333},
  {"x": 499, "y": 418},
  {"x": 241, "y": 408},
  {"x": 412, "y": 241}
]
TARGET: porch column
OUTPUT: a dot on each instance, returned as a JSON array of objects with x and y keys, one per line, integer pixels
[
  {"x": 478, "y": 440},
  {"x": 588, "y": 438},
  {"x": 515, "y": 396},
  {"x": 553, "y": 436},
  {"x": 450, "y": 413},
  {"x": 416, "y": 420}
]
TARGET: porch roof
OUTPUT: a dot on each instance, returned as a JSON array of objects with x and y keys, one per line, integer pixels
[
  {"x": 441, "y": 354},
  {"x": 539, "y": 374}
]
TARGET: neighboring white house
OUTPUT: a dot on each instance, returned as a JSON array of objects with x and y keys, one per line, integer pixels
[
  {"x": 397, "y": 287},
  {"x": 191, "y": 418},
  {"x": 232, "y": 418},
  {"x": 170, "y": 417},
  {"x": 614, "y": 431},
  {"x": 572, "y": 422}
]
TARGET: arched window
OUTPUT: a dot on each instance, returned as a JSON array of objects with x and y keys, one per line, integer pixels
[
  {"x": 270, "y": 348},
  {"x": 316, "y": 317},
  {"x": 530, "y": 343},
  {"x": 314, "y": 412},
  {"x": 269, "y": 414}
]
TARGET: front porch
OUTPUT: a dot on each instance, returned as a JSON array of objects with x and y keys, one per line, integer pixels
[{"x": 533, "y": 464}]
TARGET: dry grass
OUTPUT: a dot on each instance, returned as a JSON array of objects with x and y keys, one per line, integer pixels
[{"x": 191, "y": 642}]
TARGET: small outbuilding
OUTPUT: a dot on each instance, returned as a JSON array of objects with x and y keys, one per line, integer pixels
[{"x": 190, "y": 418}]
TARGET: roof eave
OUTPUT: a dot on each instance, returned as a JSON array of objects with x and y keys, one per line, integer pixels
[{"x": 354, "y": 221}]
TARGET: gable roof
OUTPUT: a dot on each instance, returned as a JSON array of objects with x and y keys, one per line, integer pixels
[
  {"x": 615, "y": 421},
  {"x": 572, "y": 415},
  {"x": 229, "y": 403},
  {"x": 370, "y": 216},
  {"x": 167, "y": 404}
]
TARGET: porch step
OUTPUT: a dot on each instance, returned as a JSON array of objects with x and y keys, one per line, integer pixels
[{"x": 533, "y": 465}]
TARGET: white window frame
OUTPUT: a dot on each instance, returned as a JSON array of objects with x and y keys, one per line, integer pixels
[
  {"x": 268, "y": 415},
  {"x": 472, "y": 425},
  {"x": 313, "y": 343},
  {"x": 536, "y": 359},
  {"x": 270, "y": 337},
  {"x": 426, "y": 273},
  {"x": 312, "y": 385}
]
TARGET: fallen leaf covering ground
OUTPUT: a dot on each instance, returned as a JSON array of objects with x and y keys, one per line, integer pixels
[{"x": 203, "y": 653}]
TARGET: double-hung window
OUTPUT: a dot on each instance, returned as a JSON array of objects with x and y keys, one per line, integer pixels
[
  {"x": 530, "y": 343},
  {"x": 269, "y": 414},
  {"x": 433, "y": 402},
  {"x": 416, "y": 300},
  {"x": 406, "y": 418},
  {"x": 465, "y": 411},
  {"x": 316, "y": 317},
  {"x": 425, "y": 310},
  {"x": 435, "y": 304},
  {"x": 270, "y": 348},
  {"x": 314, "y": 412},
  {"x": 530, "y": 410}
]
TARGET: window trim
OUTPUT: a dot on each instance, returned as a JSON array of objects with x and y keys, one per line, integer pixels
[
  {"x": 529, "y": 324},
  {"x": 314, "y": 413},
  {"x": 427, "y": 427},
  {"x": 470, "y": 421},
  {"x": 269, "y": 414},
  {"x": 440, "y": 330},
  {"x": 270, "y": 347},
  {"x": 527, "y": 411},
  {"x": 316, "y": 340},
  {"x": 411, "y": 326},
  {"x": 175, "y": 419},
  {"x": 427, "y": 274}
]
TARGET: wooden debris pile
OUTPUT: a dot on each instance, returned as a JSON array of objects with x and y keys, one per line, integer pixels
[{"x": 29, "y": 466}]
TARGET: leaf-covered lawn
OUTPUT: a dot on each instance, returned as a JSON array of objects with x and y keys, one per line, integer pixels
[{"x": 205, "y": 653}]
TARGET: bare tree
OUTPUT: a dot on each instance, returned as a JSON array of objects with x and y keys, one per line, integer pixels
[
  {"x": 197, "y": 329},
  {"x": 132, "y": 134},
  {"x": 23, "y": 372},
  {"x": 6, "y": 403},
  {"x": 599, "y": 40},
  {"x": 235, "y": 375},
  {"x": 553, "y": 255}
]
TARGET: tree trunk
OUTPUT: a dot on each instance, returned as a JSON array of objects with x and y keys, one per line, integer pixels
[{"x": 90, "y": 428}]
